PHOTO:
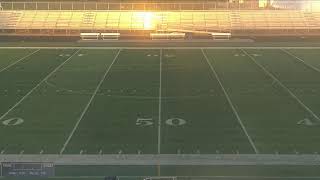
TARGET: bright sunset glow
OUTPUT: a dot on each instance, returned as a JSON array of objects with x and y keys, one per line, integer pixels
[{"x": 147, "y": 18}]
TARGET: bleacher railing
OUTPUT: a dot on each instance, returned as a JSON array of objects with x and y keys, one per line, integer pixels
[
  {"x": 306, "y": 5},
  {"x": 177, "y": 6},
  {"x": 310, "y": 5},
  {"x": 122, "y": 6},
  {"x": 36, "y": 18}
]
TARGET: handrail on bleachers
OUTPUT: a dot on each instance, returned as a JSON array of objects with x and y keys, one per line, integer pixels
[{"x": 184, "y": 21}]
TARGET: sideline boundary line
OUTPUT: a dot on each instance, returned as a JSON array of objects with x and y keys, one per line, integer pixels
[
  {"x": 34, "y": 88},
  {"x": 161, "y": 47},
  {"x": 282, "y": 85},
  {"x": 168, "y": 159},
  {"x": 231, "y": 104},
  {"x": 19, "y": 60},
  {"x": 301, "y": 60},
  {"x": 198, "y": 177},
  {"x": 89, "y": 103}
]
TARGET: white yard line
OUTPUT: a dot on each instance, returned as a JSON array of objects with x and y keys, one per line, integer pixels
[
  {"x": 34, "y": 88},
  {"x": 231, "y": 104},
  {"x": 160, "y": 110},
  {"x": 14, "y": 63},
  {"x": 89, "y": 103},
  {"x": 191, "y": 177},
  {"x": 301, "y": 60},
  {"x": 254, "y": 177},
  {"x": 197, "y": 177},
  {"x": 160, "y": 104},
  {"x": 282, "y": 85}
]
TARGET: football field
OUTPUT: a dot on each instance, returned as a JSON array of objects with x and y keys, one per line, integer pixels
[{"x": 160, "y": 101}]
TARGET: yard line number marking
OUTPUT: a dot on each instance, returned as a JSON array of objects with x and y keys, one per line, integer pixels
[
  {"x": 176, "y": 122},
  {"x": 307, "y": 122},
  {"x": 144, "y": 122},
  {"x": 13, "y": 121}
]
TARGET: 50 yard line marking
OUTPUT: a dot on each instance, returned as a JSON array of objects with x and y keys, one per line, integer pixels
[
  {"x": 89, "y": 103},
  {"x": 281, "y": 84},
  {"x": 231, "y": 104},
  {"x": 160, "y": 104},
  {"x": 160, "y": 110},
  {"x": 14, "y": 63},
  {"x": 34, "y": 88}
]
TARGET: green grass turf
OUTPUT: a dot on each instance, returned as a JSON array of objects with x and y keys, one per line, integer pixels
[
  {"x": 192, "y": 93},
  {"x": 11, "y": 56},
  {"x": 186, "y": 172},
  {"x": 267, "y": 110},
  {"x": 309, "y": 56},
  {"x": 304, "y": 82},
  {"x": 130, "y": 92},
  {"x": 51, "y": 111},
  {"x": 22, "y": 77}
]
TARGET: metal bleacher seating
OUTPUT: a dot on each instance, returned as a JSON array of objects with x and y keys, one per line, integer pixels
[{"x": 184, "y": 21}]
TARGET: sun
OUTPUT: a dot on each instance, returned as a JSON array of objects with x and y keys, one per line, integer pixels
[{"x": 148, "y": 19}]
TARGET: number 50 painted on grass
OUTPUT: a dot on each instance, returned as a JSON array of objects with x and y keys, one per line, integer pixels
[{"x": 171, "y": 122}]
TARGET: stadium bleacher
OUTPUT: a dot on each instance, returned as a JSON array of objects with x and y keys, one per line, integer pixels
[
  {"x": 220, "y": 21},
  {"x": 235, "y": 21}
]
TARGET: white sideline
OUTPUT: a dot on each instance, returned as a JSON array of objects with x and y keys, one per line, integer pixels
[
  {"x": 89, "y": 103},
  {"x": 301, "y": 60},
  {"x": 167, "y": 159},
  {"x": 282, "y": 85},
  {"x": 201, "y": 177},
  {"x": 231, "y": 104},
  {"x": 14, "y": 63},
  {"x": 163, "y": 47},
  {"x": 160, "y": 104},
  {"x": 34, "y": 88}
]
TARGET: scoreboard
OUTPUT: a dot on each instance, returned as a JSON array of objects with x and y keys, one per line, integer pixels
[{"x": 27, "y": 169}]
